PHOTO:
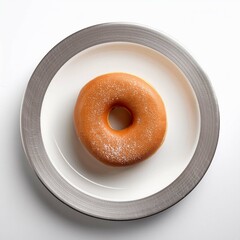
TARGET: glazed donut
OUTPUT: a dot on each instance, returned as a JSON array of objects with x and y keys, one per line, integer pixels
[{"x": 129, "y": 145}]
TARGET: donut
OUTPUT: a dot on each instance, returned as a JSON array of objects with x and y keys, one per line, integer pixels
[{"x": 132, "y": 144}]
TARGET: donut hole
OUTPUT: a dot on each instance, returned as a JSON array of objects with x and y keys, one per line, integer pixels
[{"x": 119, "y": 118}]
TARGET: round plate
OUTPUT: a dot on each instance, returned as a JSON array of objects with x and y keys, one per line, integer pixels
[{"x": 66, "y": 168}]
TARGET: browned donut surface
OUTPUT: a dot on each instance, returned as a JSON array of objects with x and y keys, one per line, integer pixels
[{"x": 132, "y": 144}]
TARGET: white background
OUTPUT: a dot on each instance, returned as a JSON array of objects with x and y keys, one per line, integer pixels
[{"x": 209, "y": 30}]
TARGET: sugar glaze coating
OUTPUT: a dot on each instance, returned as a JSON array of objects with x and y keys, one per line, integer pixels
[{"x": 132, "y": 144}]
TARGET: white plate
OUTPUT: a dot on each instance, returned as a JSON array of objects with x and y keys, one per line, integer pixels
[{"x": 70, "y": 172}]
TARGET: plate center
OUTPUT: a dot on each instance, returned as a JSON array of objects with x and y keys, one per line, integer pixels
[
  {"x": 83, "y": 171},
  {"x": 119, "y": 118}
]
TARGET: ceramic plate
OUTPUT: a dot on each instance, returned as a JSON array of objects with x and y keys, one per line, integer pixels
[{"x": 70, "y": 172}]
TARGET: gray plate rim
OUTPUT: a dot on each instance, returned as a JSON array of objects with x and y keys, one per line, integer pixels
[{"x": 31, "y": 130}]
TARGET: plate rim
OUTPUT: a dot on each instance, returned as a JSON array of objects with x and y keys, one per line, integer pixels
[{"x": 31, "y": 130}]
